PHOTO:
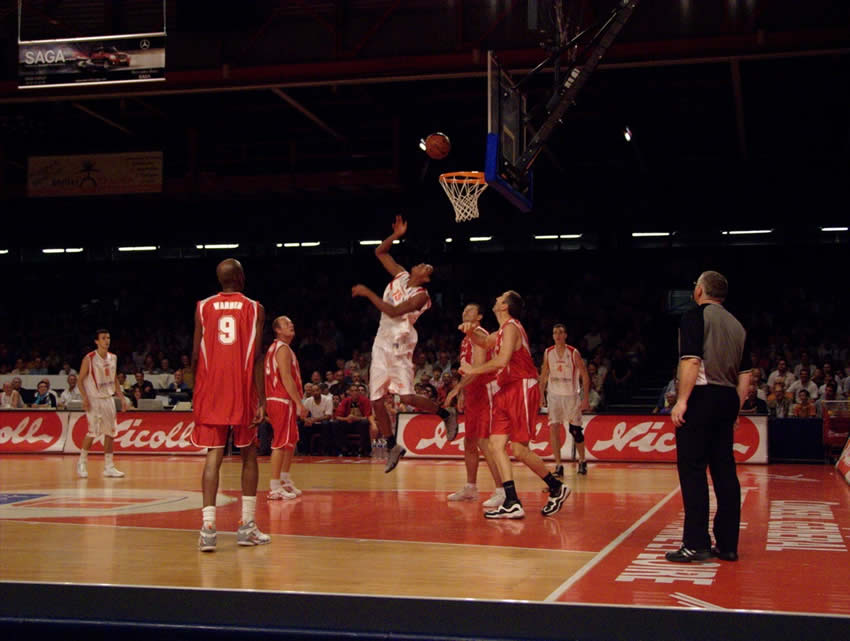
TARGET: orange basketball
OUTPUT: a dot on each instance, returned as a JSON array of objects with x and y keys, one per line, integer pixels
[{"x": 438, "y": 146}]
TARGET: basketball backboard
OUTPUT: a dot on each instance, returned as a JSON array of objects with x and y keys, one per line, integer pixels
[{"x": 506, "y": 137}]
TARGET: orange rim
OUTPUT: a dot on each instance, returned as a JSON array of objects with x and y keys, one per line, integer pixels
[{"x": 463, "y": 177}]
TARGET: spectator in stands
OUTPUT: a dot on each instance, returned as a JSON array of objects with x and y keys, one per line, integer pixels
[
  {"x": 44, "y": 397},
  {"x": 67, "y": 370},
  {"x": 779, "y": 403},
  {"x": 37, "y": 367},
  {"x": 804, "y": 362},
  {"x": 753, "y": 404},
  {"x": 179, "y": 385},
  {"x": 595, "y": 397},
  {"x": 20, "y": 368},
  {"x": 164, "y": 367},
  {"x": 757, "y": 379},
  {"x": 330, "y": 379},
  {"x": 830, "y": 393},
  {"x": 125, "y": 383},
  {"x": 804, "y": 407},
  {"x": 591, "y": 340},
  {"x": 139, "y": 378},
  {"x": 10, "y": 398},
  {"x": 827, "y": 379},
  {"x": 780, "y": 374},
  {"x": 318, "y": 421},
  {"x": 356, "y": 379},
  {"x": 601, "y": 368},
  {"x": 136, "y": 395},
  {"x": 71, "y": 393},
  {"x": 188, "y": 373},
  {"x": 148, "y": 366},
  {"x": 444, "y": 364},
  {"x": 339, "y": 386},
  {"x": 353, "y": 412},
  {"x": 805, "y": 384},
  {"x": 148, "y": 390},
  {"x": 316, "y": 378},
  {"x": 351, "y": 364}
]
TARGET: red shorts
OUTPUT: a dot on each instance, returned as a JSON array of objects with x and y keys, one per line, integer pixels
[
  {"x": 214, "y": 436},
  {"x": 477, "y": 413},
  {"x": 284, "y": 422},
  {"x": 515, "y": 410}
]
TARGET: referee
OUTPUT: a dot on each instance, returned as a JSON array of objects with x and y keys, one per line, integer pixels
[{"x": 714, "y": 376}]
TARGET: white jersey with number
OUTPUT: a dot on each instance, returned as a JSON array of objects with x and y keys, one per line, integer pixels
[
  {"x": 100, "y": 383},
  {"x": 399, "y": 331},
  {"x": 564, "y": 377}
]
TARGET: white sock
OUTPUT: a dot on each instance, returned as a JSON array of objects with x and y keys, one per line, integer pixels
[
  {"x": 208, "y": 516},
  {"x": 108, "y": 460},
  {"x": 472, "y": 486},
  {"x": 284, "y": 476},
  {"x": 84, "y": 456},
  {"x": 249, "y": 507},
  {"x": 274, "y": 484}
]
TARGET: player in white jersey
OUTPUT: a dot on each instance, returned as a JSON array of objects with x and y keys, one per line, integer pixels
[
  {"x": 98, "y": 385},
  {"x": 391, "y": 370},
  {"x": 566, "y": 375}
]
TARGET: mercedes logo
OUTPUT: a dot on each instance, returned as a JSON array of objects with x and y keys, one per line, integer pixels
[{"x": 145, "y": 44}]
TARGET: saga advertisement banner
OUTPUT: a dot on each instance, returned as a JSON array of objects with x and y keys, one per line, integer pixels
[
  {"x": 424, "y": 435},
  {"x": 843, "y": 463},
  {"x": 58, "y": 63},
  {"x": 95, "y": 174},
  {"x": 139, "y": 433},
  {"x": 32, "y": 432}
]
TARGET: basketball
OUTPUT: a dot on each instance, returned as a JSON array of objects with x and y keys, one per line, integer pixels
[{"x": 438, "y": 146}]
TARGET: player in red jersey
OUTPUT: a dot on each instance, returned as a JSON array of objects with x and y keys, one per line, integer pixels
[
  {"x": 477, "y": 406},
  {"x": 283, "y": 405},
  {"x": 515, "y": 405},
  {"x": 228, "y": 394},
  {"x": 391, "y": 370}
]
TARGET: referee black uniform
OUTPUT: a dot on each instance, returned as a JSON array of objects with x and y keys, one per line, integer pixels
[{"x": 718, "y": 341}]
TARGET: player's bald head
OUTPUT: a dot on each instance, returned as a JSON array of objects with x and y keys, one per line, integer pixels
[
  {"x": 230, "y": 274},
  {"x": 279, "y": 321}
]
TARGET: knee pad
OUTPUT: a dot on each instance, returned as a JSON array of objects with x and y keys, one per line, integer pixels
[{"x": 577, "y": 432}]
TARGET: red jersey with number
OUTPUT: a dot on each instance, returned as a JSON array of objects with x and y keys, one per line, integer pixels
[
  {"x": 274, "y": 383},
  {"x": 225, "y": 393},
  {"x": 480, "y": 382},
  {"x": 521, "y": 366}
]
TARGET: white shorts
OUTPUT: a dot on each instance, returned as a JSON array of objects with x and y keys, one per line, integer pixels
[
  {"x": 102, "y": 417},
  {"x": 391, "y": 370},
  {"x": 565, "y": 410}
]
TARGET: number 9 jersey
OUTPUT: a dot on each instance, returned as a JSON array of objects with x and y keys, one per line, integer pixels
[{"x": 225, "y": 392}]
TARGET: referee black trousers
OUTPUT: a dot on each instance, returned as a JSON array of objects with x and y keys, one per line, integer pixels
[{"x": 705, "y": 440}]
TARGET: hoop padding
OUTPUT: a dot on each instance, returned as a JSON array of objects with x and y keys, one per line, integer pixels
[{"x": 463, "y": 189}]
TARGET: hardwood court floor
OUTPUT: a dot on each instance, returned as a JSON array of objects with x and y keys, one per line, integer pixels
[{"x": 359, "y": 531}]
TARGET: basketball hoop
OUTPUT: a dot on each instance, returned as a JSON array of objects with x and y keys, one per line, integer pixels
[{"x": 463, "y": 188}]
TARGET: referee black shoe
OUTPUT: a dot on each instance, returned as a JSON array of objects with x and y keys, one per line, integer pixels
[
  {"x": 724, "y": 556},
  {"x": 686, "y": 555}
]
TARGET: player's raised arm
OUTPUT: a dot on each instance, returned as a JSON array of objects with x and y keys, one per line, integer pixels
[
  {"x": 382, "y": 251},
  {"x": 478, "y": 339}
]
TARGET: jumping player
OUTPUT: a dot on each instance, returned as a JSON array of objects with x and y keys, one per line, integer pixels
[
  {"x": 391, "y": 372},
  {"x": 515, "y": 405},
  {"x": 227, "y": 363},
  {"x": 283, "y": 406},
  {"x": 98, "y": 384},
  {"x": 477, "y": 410},
  {"x": 559, "y": 376}
]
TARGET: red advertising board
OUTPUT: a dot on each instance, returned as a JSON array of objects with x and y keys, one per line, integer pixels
[
  {"x": 140, "y": 433},
  {"x": 35, "y": 431}
]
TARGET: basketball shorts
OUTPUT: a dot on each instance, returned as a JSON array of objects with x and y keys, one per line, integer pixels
[
  {"x": 515, "y": 410},
  {"x": 101, "y": 417},
  {"x": 215, "y": 436},
  {"x": 391, "y": 371},
  {"x": 284, "y": 421},
  {"x": 565, "y": 410},
  {"x": 477, "y": 413}
]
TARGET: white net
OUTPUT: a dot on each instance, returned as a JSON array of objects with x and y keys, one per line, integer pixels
[{"x": 463, "y": 189}]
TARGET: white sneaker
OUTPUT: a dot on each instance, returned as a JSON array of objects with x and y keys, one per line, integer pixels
[
  {"x": 82, "y": 470},
  {"x": 467, "y": 493},
  {"x": 249, "y": 534},
  {"x": 281, "y": 493},
  {"x": 496, "y": 499},
  {"x": 112, "y": 472},
  {"x": 289, "y": 486}
]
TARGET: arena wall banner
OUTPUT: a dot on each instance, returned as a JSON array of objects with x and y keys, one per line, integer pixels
[
  {"x": 607, "y": 438},
  {"x": 424, "y": 435},
  {"x": 95, "y": 174},
  {"x": 36, "y": 431},
  {"x": 139, "y": 433},
  {"x": 91, "y": 61},
  {"x": 843, "y": 463}
]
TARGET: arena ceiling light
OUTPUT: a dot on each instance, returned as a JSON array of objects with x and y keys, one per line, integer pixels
[
  {"x": 557, "y": 236},
  {"x": 448, "y": 240},
  {"x": 651, "y": 234},
  {"x": 834, "y": 228},
  {"x": 4, "y": 251},
  {"x": 376, "y": 242},
  {"x": 218, "y": 246},
  {"x": 746, "y": 232},
  {"x": 304, "y": 244},
  {"x": 139, "y": 248},
  {"x": 570, "y": 236},
  {"x": 59, "y": 250},
  {"x": 480, "y": 239}
]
